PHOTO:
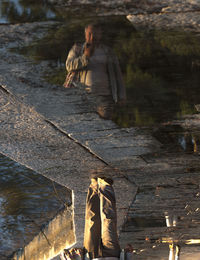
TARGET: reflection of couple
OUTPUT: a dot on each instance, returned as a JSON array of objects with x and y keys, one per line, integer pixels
[
  {"x": 100, "y": 237},
  {"x": 95, "y": 66}
]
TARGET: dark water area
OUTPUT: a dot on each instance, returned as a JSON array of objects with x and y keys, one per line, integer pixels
[
  {"x": 160, "y": 68},
  {"x": 175, "y": 138},
  {"x": 20, "y": 11},
  {"x": 28, "y": 201}
]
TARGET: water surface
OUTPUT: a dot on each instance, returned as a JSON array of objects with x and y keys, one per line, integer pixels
[
  {"x": 160, "y": 68},
  {"x": 27, "y": 202},
  {"x": 20, "y": 11}
]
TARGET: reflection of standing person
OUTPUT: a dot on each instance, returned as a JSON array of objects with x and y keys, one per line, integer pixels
[
  {"x": 174, "y": 252},
  {"x": 100, "y": 238},
  {"x": 97, "y": 68}
]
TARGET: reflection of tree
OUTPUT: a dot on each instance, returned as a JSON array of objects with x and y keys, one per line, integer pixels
[
  {"x": 182, "y": 43},
  {"x": 24, "y": 11},
  {"x": 157, "y": 65},
  {"x": 159, "y": 68}
]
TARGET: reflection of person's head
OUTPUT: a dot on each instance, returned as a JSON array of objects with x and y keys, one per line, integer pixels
[{"x": 93, "y": 34}]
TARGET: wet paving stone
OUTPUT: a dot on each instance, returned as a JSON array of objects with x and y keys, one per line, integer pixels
[{"x": 165, "y": 211}]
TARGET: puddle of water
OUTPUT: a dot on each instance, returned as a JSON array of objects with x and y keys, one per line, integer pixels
[
  {"x": 20, "y": 11},
  {"x": 144, "y": 222},
  {"x": 189, "y": 142},
  {"x": 27, "y": 202},
  {"x": 160, "y": 69},
  {"x": 178, "y": 139}
]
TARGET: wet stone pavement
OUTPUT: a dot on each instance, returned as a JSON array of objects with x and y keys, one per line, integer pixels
[
  {"x": 166, "y": 208},
  {"x": 156, "y": 183}
]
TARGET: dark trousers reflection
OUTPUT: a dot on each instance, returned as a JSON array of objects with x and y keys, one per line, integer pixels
[{"x": 100, "y": 238}]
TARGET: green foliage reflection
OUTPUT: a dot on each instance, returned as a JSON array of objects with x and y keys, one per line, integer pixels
[
  {"x": 182, "y": 43},
  {"x": 26, "y": 11},
  {"x": 160, "y": 68}
]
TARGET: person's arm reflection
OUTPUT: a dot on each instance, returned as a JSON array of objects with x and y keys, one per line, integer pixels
[{"x": 97, "y": 68}]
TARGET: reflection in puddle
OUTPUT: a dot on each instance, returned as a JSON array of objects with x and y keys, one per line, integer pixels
[
  {"x": 27, "y": 202},
  {"x": 174, "y": 252},
  {"x": 19, "y": 11},
  {"x": 160, "y": 68},
  {"x": 190, "y": 142},
  {"x": 171, "y": 220},
  {"x": 178, "y": 139},
  {"x": 147, "y": 222}
]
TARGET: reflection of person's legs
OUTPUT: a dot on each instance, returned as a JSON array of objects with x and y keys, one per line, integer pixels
[
  {"x": 92, "y": 236},
  {"x": 105, "y": 106},
  {"x": 109, "y": 237}
]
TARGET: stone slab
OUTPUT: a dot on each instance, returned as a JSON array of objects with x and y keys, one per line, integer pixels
[
  {"x": 175, "y": 20},
  {"x": 44, "y": 245},
  {"x": 28, "y": 138}
]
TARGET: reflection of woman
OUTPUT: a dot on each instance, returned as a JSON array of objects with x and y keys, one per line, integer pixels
[{"x": 100, "y": 237}]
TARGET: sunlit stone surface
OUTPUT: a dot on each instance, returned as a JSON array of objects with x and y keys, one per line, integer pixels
[
  {"x": 52, "y": 153},
  {"x": 58, "y": 234}
]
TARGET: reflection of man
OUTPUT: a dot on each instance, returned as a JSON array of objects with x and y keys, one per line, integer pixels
[
  {"x": 97, "y": 68},
  {"x": 100, "y": 237}
]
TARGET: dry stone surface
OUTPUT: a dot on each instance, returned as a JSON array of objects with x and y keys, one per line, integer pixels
[{"x": 125, "y": 7}]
